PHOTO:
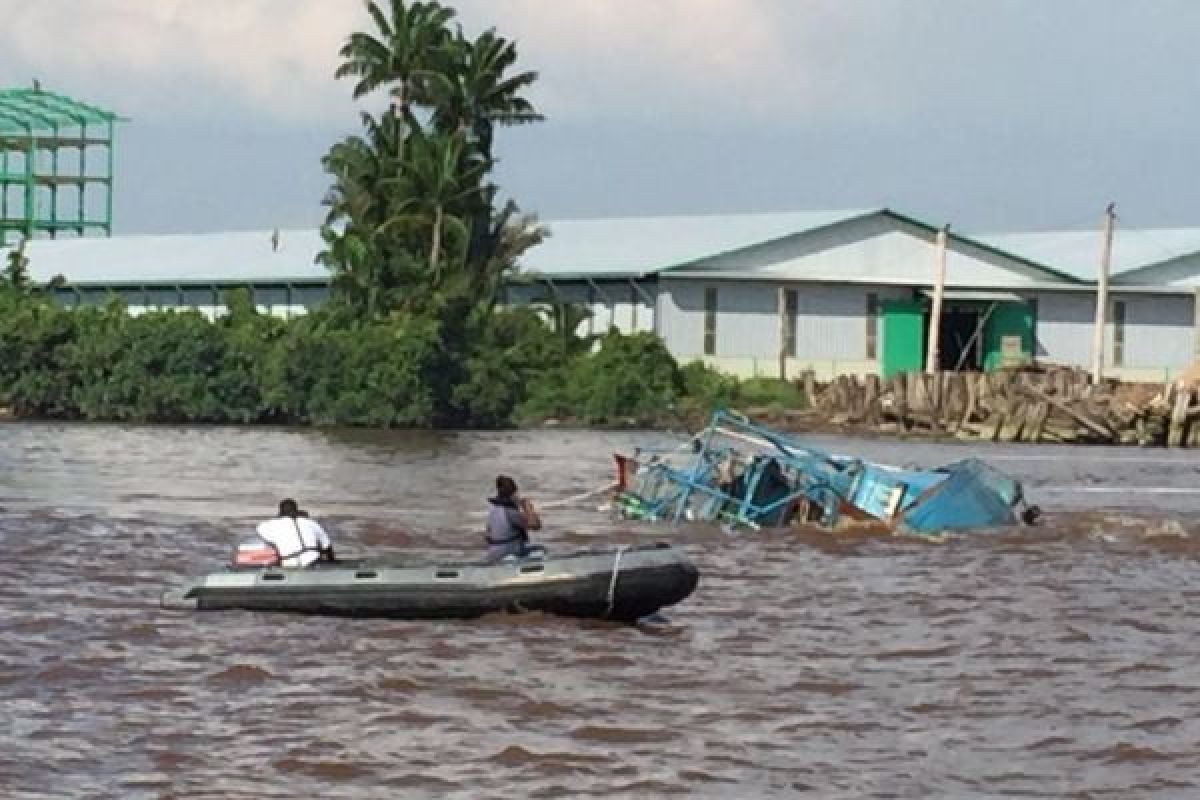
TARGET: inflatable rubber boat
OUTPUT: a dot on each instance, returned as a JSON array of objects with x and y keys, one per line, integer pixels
[{"x": 624, "y": 584}]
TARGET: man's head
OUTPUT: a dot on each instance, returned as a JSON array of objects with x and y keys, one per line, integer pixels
[
  {"x": 506, "y": 487},
  {"x": 288, "y": 508}
]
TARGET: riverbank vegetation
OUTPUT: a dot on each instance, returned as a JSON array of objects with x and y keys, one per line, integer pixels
[
  {"x": 100, "y": 363},
  {"x": 420, "y": 243}
]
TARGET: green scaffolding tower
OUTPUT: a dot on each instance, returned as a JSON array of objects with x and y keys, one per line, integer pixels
[{"x": 56, "y": 165}]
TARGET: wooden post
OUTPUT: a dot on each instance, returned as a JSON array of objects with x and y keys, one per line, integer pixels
[
  {"x": 810, "y": 387},
  {"x": 939, "y": 288},
  {"x": 1178, "y": 426},
  {"x": 871, "y": 400},
  {"x": 1102, "y": 296},
  {"x": 900, "y": 399}
]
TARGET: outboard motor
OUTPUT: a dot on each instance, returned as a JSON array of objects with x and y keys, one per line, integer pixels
[{"x": 255, "y": 551}]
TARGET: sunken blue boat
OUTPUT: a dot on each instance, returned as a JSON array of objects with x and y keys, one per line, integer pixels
[{"x": 742, "y": 474}]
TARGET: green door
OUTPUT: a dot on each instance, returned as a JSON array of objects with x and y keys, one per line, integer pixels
[
  {"x": 903, "y": 337},
  {"x": 1008, "y": 336}
]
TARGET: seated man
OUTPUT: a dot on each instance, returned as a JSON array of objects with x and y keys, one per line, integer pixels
[
  {"x": 300, "y": 541},
  {"x": 509, "y": 521}
]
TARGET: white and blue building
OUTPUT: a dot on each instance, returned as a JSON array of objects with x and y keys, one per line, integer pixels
[{"x": 837, "y": 292}]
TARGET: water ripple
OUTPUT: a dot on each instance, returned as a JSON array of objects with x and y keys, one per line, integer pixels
[{"x": 1052, "y": 663}]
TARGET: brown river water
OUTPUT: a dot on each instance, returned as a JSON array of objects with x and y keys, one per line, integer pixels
[{"x": 1062, "y": 661}]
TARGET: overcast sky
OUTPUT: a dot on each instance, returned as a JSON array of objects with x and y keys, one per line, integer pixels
[{"x": 988, "y": 114}]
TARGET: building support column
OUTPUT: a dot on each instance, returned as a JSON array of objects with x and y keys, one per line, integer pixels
[
  {"x": 651, "y": 303},
  {"x": 1196, "y": 324},
  {"x": 783, "y": 348},
  {"x": 607, "y": 300},
  {"x": 30, "y": 197},
  {"x": 1102, "y": 296},
  {"x": 932, "y": 357}
]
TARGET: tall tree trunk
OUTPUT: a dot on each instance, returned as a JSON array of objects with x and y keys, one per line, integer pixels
[{"x": 435, "y": 247}]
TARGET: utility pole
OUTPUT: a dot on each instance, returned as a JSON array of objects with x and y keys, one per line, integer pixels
[
  {"x": 933, "y": 356},
  {"x": 1102, "y": 295}
]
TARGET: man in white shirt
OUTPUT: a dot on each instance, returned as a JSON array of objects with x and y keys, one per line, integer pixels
[{"x": 299, "y": 540}]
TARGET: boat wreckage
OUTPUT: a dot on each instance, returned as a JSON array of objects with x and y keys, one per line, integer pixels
[{"x": 742, "y": 474}]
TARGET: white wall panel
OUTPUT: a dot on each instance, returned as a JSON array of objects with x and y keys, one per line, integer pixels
[
  {"x": 1158, "y": 331},
  {"x": 1063, "y": 328},
  {"x": 831, "y": 320}
]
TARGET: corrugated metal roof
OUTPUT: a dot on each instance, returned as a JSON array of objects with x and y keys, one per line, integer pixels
[
  {"x": 596, "y": 248},
  {"x": 1078, "y": 252},
  {"x": 882, "y": 246},
  {"x": 599, "y": 248},
  {"x": 633, "y": 246},
  {"x": 239, "y": 257}
]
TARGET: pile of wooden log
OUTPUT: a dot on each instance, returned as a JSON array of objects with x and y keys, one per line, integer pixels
[{"x": 1057, "y": 404}]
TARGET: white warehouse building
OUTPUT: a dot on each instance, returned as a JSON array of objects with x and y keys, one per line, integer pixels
[{"x": 838, "y": 292}]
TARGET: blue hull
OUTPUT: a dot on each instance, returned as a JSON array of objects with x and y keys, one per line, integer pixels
[{"x": 972, "y": 496}]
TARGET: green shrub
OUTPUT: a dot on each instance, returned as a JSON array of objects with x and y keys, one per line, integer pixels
[
  {"x": 332, "y": 368},
  {"x": 769, "y": 392},
  {"x": 628, "y": 378}
]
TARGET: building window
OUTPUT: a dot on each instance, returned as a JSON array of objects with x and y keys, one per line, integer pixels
[
  {"x": 872, "y": 325},
  {"x": 791, "y": 307},
  {"x": 710, "y": 321},
  {"x": 1118, "y": 333}
]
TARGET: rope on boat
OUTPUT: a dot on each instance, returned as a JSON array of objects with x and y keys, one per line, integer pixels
[
  {"x": 612, "y": 584},
  {"x": 564, "y": 502},
  {"x": 567, "y": 501}
]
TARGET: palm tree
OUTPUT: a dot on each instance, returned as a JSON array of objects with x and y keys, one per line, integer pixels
[
  {"x": 402, "y": 54},
  {"x": 477, "y": 95},
  {"x": 410, "y": 198},
  {"x": 359, "y": 204},
  {"x": 566, "y": 319},
  {"x": 439, "y": 178},
  {"x": 498, "y": 246}
]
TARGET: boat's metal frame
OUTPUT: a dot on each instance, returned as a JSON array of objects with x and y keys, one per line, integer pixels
[{"x": 744, "y": 474}]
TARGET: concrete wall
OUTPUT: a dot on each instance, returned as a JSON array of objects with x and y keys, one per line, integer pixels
[
  {"x": 1063, "y": 327},
  {"x": 1159, "y": 333},
  {"x": 830, "y": 324}
]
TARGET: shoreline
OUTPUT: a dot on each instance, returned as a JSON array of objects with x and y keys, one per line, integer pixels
[{"x": 791, "y": 422}]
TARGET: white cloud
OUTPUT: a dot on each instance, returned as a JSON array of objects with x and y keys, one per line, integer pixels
[
  {"x": 610, "y": 59},
  {"x": 188, "y": 57},
  {"x": 275, "y": 58}
]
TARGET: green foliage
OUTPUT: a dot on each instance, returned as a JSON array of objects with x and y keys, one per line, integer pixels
[
  {"x": 328, "y": 368},
  {"x": 16, "y": 269},
  {"x": 420, "y": 248},
  {"x": 35, "y": 336},
  {"x": 412, "y": 211},
  {"x": 769, "y": 392},
  {"x": 706, "y": 388},
  {"x": 628, "y": 378}
]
